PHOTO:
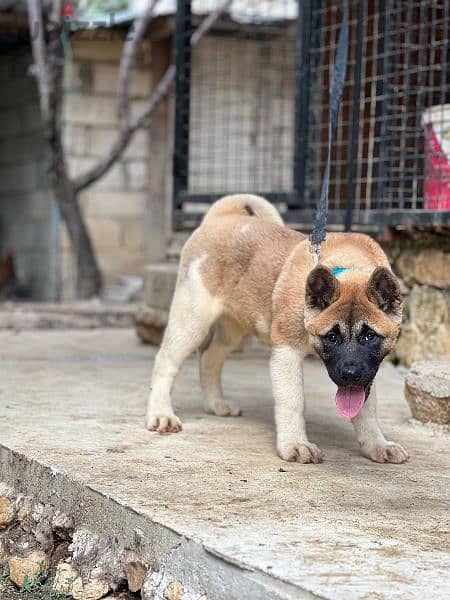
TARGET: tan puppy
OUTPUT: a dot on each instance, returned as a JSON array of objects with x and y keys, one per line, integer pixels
[{"x": 243, "y": 272}]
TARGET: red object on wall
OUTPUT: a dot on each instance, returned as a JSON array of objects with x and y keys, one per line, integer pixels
[
  {"x": 436, "y": 184},
  {"x": 67, "y": 10}
]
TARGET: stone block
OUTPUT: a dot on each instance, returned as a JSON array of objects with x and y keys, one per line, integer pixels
[
  {"x": 159, "y": 284},
  {"x": 425, "y": 333},
  {"x": 427, "y": 390},
  {"x": 429, "y": 266}
]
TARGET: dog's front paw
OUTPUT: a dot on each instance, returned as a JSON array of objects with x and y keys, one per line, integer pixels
[
  {"x": 385, "y": 452},
  {"x": 169, "y": 423},
  {"x": 302, "y": 452}
]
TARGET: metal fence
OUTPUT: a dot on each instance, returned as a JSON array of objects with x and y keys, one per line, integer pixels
[{"x": 252, "y": 102}]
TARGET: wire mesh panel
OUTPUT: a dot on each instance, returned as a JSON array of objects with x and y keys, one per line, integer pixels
[
  {"x": 252, "y": 109},
  {"x": 392, "y": 147}
]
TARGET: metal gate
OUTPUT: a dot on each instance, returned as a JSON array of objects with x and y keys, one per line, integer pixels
[{"x": 252, "y": 101}]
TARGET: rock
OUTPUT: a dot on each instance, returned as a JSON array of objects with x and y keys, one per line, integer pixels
[
  {"x": 65, "y": 578},
  {"x": 425, "y": 333},
  {"x": 150, "y": 324},
  {"x": 4, "y": 552},
  {"x": 7, "y": 511},
  {"x": 135, "y": 570},
  {"x": 174, "y": 591},
  {"x": 152, "y": 585},
  {"x": 59, "y": 555},
  {"x": 159, "y": 284},
  {"x": 62, "y": 525},
  {"x": 97, "y": 557},
  {"x": 32, "y": 567},
  {"x": 44, "y": 535},
  {"x": 427, "y": 390},
  {"x": 68, "y": 582},
  {"x": 429, "y": 266},
  {"x": 24, "y": 507}
]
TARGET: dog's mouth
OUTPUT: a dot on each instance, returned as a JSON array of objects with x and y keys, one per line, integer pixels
[{"x": 350, "y": 400}]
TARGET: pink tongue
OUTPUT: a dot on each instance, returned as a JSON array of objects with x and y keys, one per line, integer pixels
[{"x": 349, "y": 400}]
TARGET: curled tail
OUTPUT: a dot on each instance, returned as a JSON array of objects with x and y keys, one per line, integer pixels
[{"x": 244, "y": 204}]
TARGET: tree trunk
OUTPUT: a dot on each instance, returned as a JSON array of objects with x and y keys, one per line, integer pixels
[{"x": 89, "y": 279}]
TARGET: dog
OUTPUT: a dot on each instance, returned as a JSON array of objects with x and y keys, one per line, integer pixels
[{"x": 242, "y": 271}]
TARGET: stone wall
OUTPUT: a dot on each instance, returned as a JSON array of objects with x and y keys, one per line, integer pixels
[
  {"x": 29, "y": 219},
  {"x": 423, "y": 265},
  {"x": 115, "y": 207}
]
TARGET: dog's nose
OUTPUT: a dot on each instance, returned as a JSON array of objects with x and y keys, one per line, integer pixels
[{"x": 350, "y": 374}]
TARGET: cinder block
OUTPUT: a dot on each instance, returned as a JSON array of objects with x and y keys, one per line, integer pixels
[
  {"x": 113, "y": 204},
  {"x": 137, "y": 174},
  {"x": 159, "y": 284},
  {"x": 90, "y": 110},
  {"x": 116, "y": 262},
  {"x": 101, "y": 139},
  {"x": 105, "y": 233},
  {"x": 133, "y": 233},
  {"x": 76, "y": 139}
]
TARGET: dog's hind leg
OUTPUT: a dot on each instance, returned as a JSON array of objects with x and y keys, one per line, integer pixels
[
  {"x": 226, "y": 337},
  {"x": 192, "y": 313}
]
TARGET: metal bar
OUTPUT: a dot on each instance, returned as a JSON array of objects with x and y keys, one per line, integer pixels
[
  {"x": 355, "y": 117},
  {"x": 382, "y": 88},
  {"x": 377, "y": 220},
  {"x": 182, "y": 48},
  {"x": 302, "y": 94}
]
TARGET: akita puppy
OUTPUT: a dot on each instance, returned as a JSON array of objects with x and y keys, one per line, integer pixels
[{"x": 243, "y": 272}]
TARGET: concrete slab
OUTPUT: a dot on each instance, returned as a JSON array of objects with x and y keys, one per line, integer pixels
[{"x": 213, "y": 504}]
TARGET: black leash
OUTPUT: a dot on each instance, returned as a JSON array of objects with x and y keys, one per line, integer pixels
[{"x": 319, "y": 233}]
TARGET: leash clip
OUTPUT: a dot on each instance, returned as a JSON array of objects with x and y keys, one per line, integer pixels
[{"x": 314, "y": 250}]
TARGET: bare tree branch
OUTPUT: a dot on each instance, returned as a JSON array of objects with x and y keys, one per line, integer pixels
[
  {"x": 130, "y": 49},
  {"x": 162, "y": 90},
  {"x": 39, "y": 50}
]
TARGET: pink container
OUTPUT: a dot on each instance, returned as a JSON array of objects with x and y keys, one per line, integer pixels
[{"x": 436, "y": 184}]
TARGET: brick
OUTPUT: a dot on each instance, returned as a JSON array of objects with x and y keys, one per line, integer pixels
[
  {"x": 105, "y": 233},
  {"x": 112, "y": 204}
]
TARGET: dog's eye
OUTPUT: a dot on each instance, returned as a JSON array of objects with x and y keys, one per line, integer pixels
[
  {"x": 369, "y": 335},
  {"x": 331, "y": 337}
]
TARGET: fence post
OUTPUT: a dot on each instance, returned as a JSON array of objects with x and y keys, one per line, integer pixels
[
  {"x": 302, "y": 95},
  {"x": 182, "y": 100},
  {"x": 354, "y": 134}
]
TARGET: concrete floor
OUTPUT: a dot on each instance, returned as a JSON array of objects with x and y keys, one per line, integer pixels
[{"x": 214, "y": 503}]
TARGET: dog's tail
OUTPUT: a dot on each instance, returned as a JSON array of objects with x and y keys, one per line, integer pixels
[{"x": 244, "y": 204}]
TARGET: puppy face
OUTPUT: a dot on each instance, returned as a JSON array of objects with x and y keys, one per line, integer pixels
[{"x": 353, "y": 322}]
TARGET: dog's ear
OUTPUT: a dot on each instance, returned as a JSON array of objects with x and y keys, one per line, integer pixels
[
  {"x": 384, "y": 291},
  {"x": 322, "y": 288}
]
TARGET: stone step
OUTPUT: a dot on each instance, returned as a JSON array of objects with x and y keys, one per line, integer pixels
[
  {"x": 427, "y": 390},
  {"x": 211, "y": 510}
]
